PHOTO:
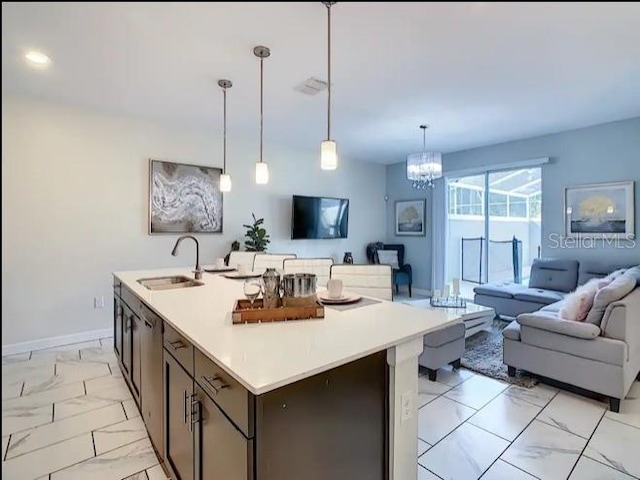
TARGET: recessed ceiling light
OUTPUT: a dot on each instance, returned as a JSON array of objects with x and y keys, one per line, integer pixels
[{"x": 37, "y": 59}]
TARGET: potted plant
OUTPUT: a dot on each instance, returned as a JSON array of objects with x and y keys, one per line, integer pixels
[
  {"x": 257, "y": 237},
  {"x": 235, "y": 246}
]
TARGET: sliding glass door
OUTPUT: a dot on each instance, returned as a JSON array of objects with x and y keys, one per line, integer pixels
[{"x": 493, "y": 227}]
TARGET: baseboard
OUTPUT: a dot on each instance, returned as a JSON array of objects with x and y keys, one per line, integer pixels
[{"x": 43, "y": 343}]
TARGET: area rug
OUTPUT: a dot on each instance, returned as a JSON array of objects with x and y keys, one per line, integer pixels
[{"x": 483, "y": 354}]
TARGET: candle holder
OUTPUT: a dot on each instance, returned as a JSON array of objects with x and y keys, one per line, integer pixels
[{"x": 448, "y": 302}]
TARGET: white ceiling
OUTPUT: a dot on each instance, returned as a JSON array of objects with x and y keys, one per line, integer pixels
[{"x": 478, "y": 73}]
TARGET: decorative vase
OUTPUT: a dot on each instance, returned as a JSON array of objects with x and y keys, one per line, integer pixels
[
  {"x": 348, "y": 258},
  {"x": 271, "y": 293}
]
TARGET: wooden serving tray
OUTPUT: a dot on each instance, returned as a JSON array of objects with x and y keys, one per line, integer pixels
[{"x": 243, "y": 313}]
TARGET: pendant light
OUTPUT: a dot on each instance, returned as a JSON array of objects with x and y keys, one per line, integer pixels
[
  {"x": 225, "y": 178},
  {"x": 424, "y": 167},
  {"x": 328, "y": 148},
  {"x": 262, "y": 170}
]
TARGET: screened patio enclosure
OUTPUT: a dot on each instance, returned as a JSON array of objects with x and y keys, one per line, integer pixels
[{"x": 493, "y": 226}]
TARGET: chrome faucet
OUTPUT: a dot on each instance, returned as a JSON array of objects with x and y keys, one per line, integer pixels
[{"x": 174, "y": 252}]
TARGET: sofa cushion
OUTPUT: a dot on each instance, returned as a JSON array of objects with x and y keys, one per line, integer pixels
[
  {"x": 600, "y": 349},
  {"x": 616, "y": 290},
  {"x": 596, "y": 269},
  {"x": 512, "y": 331},
  {"x": 559, "y": 275},
  {"x": 444, "y": 335},
  {"x": 554, "y": 307},
  {"x": 539, "y": 295},
  {"x": 499, "y": 289},
  {"x": 553, "y": 323}
]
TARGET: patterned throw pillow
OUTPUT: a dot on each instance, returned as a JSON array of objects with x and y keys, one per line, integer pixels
[{"x": 389, "y": 257}]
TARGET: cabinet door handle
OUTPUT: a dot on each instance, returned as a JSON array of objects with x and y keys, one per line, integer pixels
[
  {"x": 128, "y": 323},
  {"x": 185, "y": 397},
  {"x": 177, "y": 345},
  {"x": 147, "y": 322},
  {"x": 194, "y": 411},
  {"x": 209, "y": 382}
]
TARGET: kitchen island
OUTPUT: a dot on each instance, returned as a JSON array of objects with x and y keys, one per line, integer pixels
[{"x": 332, "y": 398}]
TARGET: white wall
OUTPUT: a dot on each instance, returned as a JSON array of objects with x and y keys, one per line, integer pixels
[{"x": 75, "y": 202}]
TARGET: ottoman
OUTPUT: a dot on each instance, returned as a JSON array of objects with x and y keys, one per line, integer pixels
[{"x": 442, "y": 347}]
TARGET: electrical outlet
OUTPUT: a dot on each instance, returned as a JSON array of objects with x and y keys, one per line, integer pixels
[
  {"x": 98, "y": 302},
  {"x": 406, "y": 406}
]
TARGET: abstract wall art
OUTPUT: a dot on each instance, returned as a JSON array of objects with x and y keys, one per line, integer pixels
[{"x": 184, "y": 198}]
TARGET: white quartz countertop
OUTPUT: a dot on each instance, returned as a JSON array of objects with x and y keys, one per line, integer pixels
[{"x": 266, "y": 356}]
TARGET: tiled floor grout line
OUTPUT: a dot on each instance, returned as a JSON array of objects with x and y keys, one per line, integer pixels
[
  {"x": 103, "y": 453},
  {"x": 606, "y": 465},
  {"x": 587, "y": 444},
  {"x": 511, "y": 442},
  {"x": 623, "y": 423},
  {"x": 431, "y": 472},
  {"x": 516, "y": 467},
  {"x": 93, "y": 442},
  {"x": 70, "y": 438}
]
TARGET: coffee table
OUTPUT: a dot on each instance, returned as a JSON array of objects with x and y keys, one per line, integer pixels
[{"x": 475, "y": 317}]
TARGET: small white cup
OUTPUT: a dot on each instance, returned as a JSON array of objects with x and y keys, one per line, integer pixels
[
  {"x": 243, "y": 270},
  {"x": 334, "y": 287},
  {"x": 219, "y": 263}
]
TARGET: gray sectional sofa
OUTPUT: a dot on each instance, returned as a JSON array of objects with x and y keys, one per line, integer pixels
[{"x": 601, "y": 354}]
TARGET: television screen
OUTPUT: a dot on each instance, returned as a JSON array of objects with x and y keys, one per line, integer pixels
[{"x": 319, "y": 217}]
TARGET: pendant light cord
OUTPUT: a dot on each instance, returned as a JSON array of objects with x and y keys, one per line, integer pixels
[
  {"x": 261, "y": 103},
  {"x": 224, "y": 131},
  {"x": 328, "y": 70}
]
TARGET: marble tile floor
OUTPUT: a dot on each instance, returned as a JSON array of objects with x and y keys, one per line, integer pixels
[
  {"x": 67, "y": 414},
  {"x": 471, "y": 427}
]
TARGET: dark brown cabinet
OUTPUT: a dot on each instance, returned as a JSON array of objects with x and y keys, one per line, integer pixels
[
  {"x": 127, "y": 325},
  {"x": 205, "y": 425},
  {"x": 117, "y": 326},
  {"x": 151, "y": 375},
  {"x": 178, "y": 397},
  {"x": 136, "y": 331},
  {"x": 221, "y": 450}
]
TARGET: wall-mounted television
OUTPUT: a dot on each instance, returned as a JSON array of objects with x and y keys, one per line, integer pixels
[{"x": 319, "y": 217}]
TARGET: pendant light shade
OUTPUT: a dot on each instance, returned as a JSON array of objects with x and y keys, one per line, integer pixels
[
  {"x": 328, "y": 148},
  {"x": 262, "y": 170},
  {"x": 328, "y": 155},
  {"x": 225, "y": 178},
  {"x": 225, "y": 182},
  {"x": 262, "y": 173}
]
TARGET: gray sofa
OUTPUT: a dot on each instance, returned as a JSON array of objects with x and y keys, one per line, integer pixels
[
  {"x": 550, "y": 281},
  {"x": 601, "y": 354}
]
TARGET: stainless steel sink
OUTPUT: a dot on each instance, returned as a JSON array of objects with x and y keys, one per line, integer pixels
[{"x": 169, "y": 283}]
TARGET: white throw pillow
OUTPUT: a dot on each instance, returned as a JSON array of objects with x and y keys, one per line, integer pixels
[
  {"x": 577, "y": 304},
  {"x": 388, "y": 257}
]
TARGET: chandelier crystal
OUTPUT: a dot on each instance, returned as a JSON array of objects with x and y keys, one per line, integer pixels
[{"x": 424, "y": 167}]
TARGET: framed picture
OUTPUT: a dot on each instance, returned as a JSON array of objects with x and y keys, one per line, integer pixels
[
  {"x": 184, "y": 198},
  {"x": 603, "y": 210},
  {"x": 410, "y": 217}
]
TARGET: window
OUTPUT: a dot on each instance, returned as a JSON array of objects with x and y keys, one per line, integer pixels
[
  {"x": 465, "y": 200},
  {"x": 497, "y": 204},
  {"x": 535, "y": 206},
  {"x": 517, "y": 206}
]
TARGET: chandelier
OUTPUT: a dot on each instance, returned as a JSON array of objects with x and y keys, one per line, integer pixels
[{"x": 424, "y": 167}]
